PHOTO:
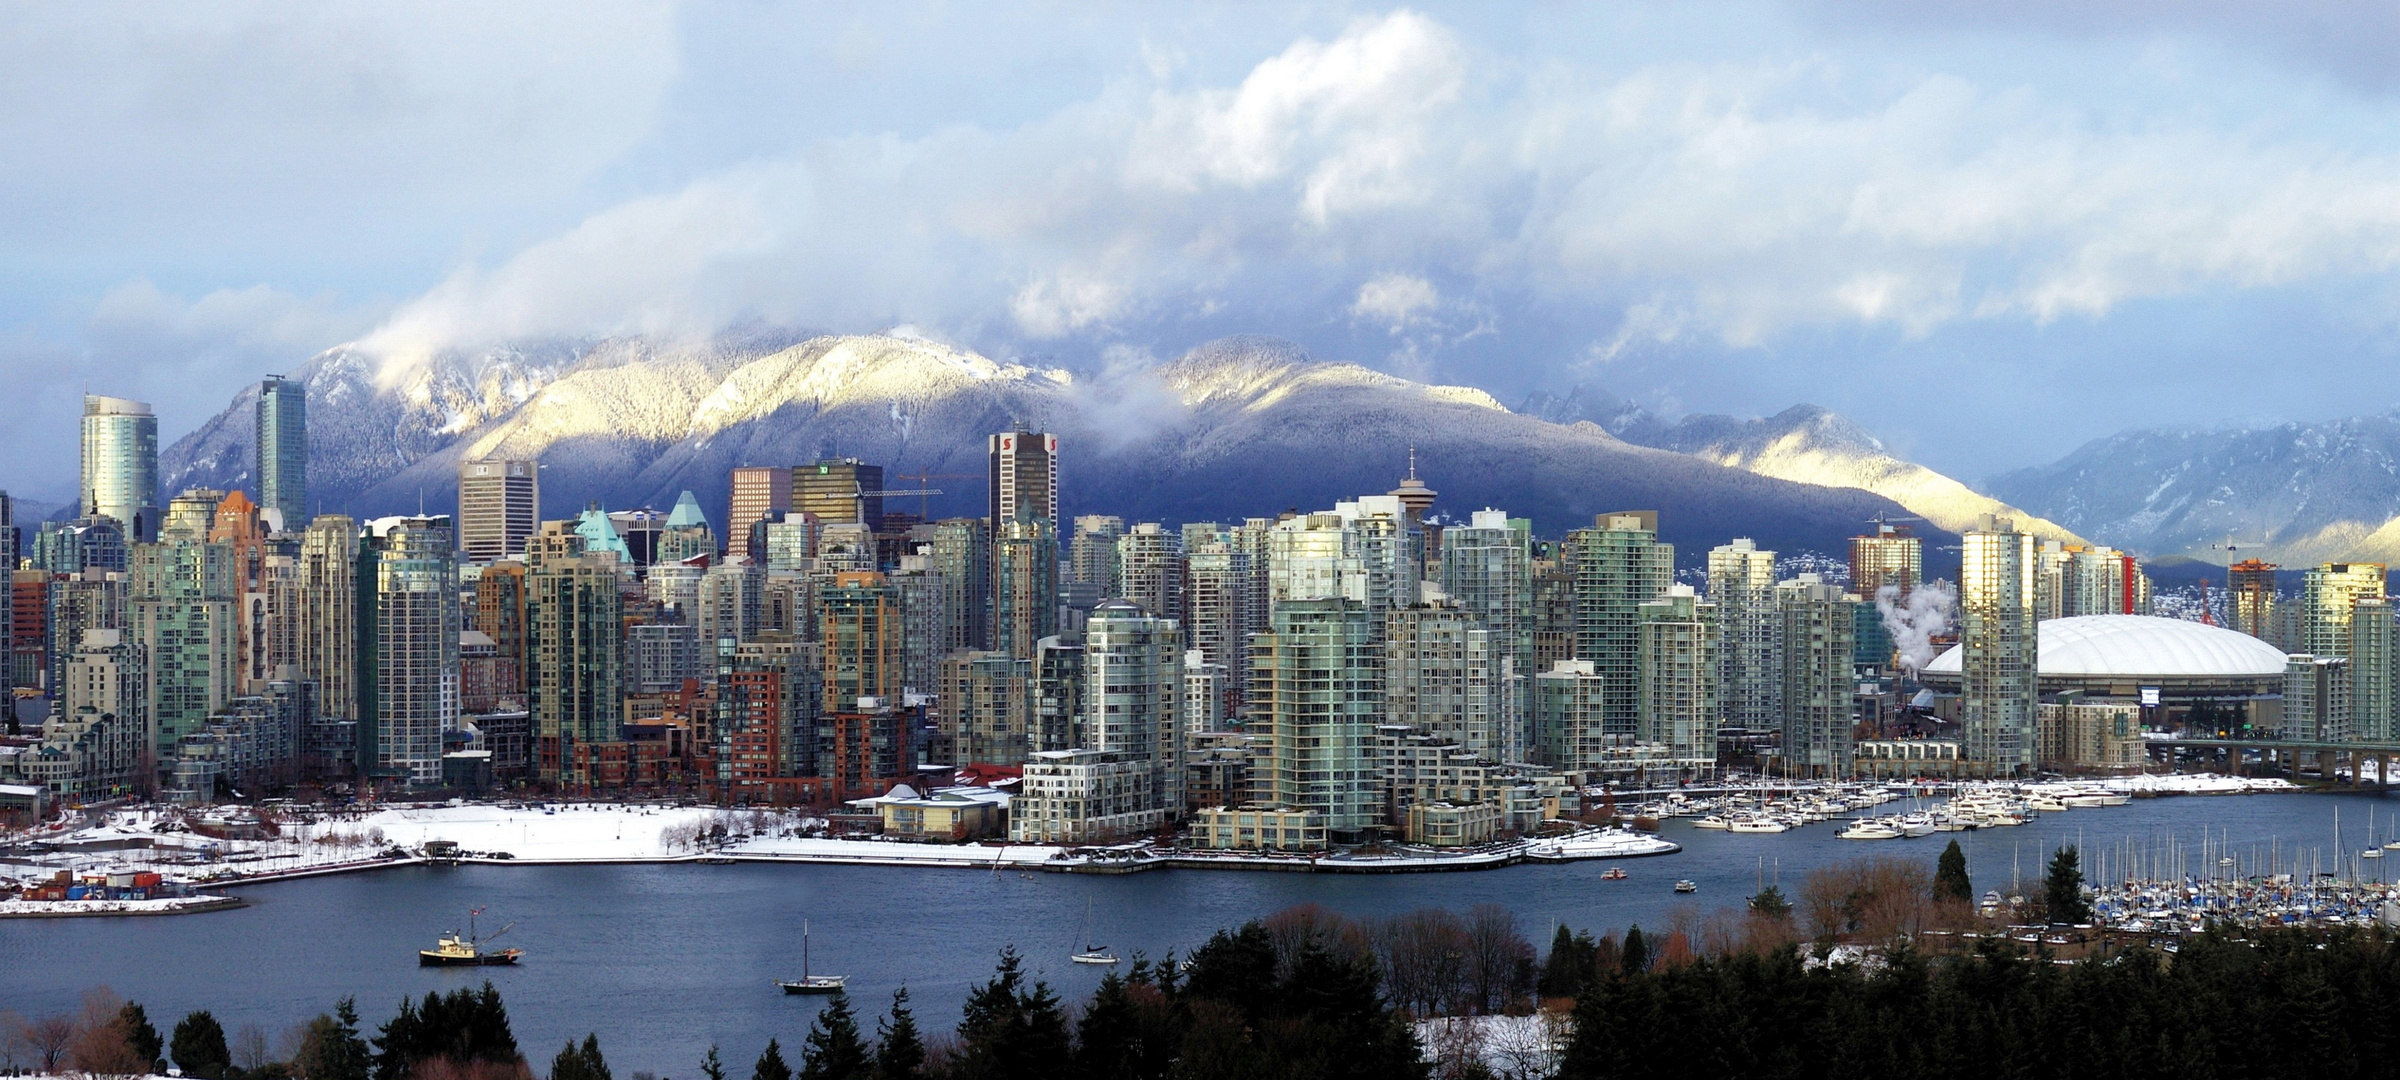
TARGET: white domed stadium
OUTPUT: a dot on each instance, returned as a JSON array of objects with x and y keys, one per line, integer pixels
[{"x": 2117, "y": 655}]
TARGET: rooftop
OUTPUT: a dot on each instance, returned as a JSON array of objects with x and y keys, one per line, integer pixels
[{"x": 2140, "y": 645}]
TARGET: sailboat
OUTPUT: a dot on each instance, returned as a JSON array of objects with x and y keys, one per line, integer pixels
[
  {"x": 1093, "y": 954},
  {"x": 807, "y": 983}
]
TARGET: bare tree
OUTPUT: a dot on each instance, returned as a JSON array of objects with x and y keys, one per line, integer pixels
[
  {"x": 250, "y": 1047},
  {"x": 47, "y": 1039},
  {"x": 1497, "y": 957},
  {"x": 1456, "y": 1044},
  {"x": 1529, "y": 1048}
]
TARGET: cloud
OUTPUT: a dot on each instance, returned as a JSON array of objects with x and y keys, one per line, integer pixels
[{"x": 1396, "y": 300}]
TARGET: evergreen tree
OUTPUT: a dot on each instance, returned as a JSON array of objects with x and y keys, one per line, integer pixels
[
  {"x": 580, "y": 1063},
  {"x": 1573, "y": 962},
  {"x": 1237, "y": 968},
  {"x": 1770, "y": 902},
  {"x": 833, "y": 1051},
  {"x": 199, "y": 1047},
  {"x": 770, "y": 1064},
  {"x": 712, "y": 1066},
  {"x": 2062, "y": 888},
  {"x": 143, "y": 1037},
  {"x": 1108, "y": 1039},
  {"x": 1637, "y": 950},
  {"x": 899, "y": 1052},
  {"x": 488, "y": 1036},
  {"x": 1950, "y": 876},
  {"x": 1010, "y": 1032},
  {"x": 332, "y": 1049}
]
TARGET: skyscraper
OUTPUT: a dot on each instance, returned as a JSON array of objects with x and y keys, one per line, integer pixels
[
  {"x": 1619, "y": 566},
  {"x": 984, "y": 707},
  {"x": 1999, "y": 687},
  {"x": 183, "y": 612},
  {"x": 760, "y": 493},
  {"x": 1741, "y": 582},
  {"x": 1677, "y": 674},
  {"x": 859, "y": 615},
  {"x": 840, "y": 491},
  {"x": 328, "y": 605},
  {"x": 1133, "y": 700},
  {"x": 962, "y": 554},
  {"x": 1367, "y": 550},
  {"x": 1447, "y": 676},
  {"x": 2250, "y": 599},
  {"x": 1024, "y": 477},
  {"x": 1225, "y": 608},
  {"x": 1818, "y": 644},
  {"x": 282, "y": 446},
  {"x": 574, "y": 644},
  {"x": 1317, "y": 683},
  {"x": 499, "y": 507},
  {"x": 1150, "y": 569},
  {"x": 120, "y": 465},
  {"x": 2327, "y": 595},
  {"x": 1890, "y": 557},
  {"x": 408, "y": 648},
  {"x": 1093, "y": 560},
  {"x": 1024, "y": 584},
  {"x": 1567, "y": 730}
]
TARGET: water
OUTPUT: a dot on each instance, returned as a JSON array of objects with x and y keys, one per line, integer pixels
[{"x": 663, "y": 961}]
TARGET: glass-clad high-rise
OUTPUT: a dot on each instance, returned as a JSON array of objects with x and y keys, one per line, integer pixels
[{"x": 282, "y": 467}]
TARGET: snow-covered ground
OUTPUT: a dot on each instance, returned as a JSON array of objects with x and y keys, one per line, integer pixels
[
  {"x": 169, "y": 905},
  {"x": 1512, "y": 1047},
  {"x": 1601, "y": 844},
  {"x": 2178, "y": 784}
]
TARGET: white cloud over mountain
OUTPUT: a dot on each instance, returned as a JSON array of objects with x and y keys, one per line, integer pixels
[{"x": 1728, "y": 204}]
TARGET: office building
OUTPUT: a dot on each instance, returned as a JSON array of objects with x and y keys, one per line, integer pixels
[
  {"x": 1676, "y": 675},
  {"x": 408, "y": 683},
  {"x": 1893, "y": 556},
  {"x": 760, "y": 493},
  {"x": 791, "y": 541},
  {"x": 1316, "y": 689},
  {"x": 962, "y": 554},
  {"x": 574, "y": 654},
  {"x": 1819, "y": 645},
  {"x": 282, "y": 445},
  {"x": 86, "y": 543},
  {"x": 1619, "y": 565},
  {"x": 1998, "y": 687},
  {"x": 840, "y": 491},
  {"x": 1741, "y": 582},
  {"x": 120, "y": 465},
  {"x": 499, "y": 507},
  {"x": 685, "y": 536},
  {"x": 1024, "y": 477},
  {"x": 1024, "y": 584}
]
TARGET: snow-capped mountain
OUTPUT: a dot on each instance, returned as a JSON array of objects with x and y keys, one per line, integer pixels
[
  {"x": 1236, "y": 428},
  {"x": 2291, "y": 493},
  {"x": 1805, "y": 444}
]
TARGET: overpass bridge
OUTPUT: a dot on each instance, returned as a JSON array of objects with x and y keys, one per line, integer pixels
[{"x": 2284, "y": 756}]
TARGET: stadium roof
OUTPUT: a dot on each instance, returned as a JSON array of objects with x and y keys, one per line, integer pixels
[{"x": 2141, "y": 645}]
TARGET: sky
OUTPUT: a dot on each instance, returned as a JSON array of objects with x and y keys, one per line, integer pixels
[{"x": 1987, "y": 231}]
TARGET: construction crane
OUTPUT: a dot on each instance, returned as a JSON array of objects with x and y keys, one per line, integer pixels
[{"x": 924, "y": 496}]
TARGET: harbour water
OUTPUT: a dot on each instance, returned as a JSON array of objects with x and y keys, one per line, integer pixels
[{"x": 664, "y": 960}]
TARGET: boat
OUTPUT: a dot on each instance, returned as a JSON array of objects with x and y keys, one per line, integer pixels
[
  {"x": 1712, "y": 821},
  {"x": 1687, "y": 885},
  {"x": 808, "y": 983},
  {"x": 1869, "y": 830},
  {"x": 1916, "y": 825},
  {"x": 1614, "y": 873},
  {"x": 1756, "y": 825},
  {"x": 452, "y": 950},
  {"x": 1092, "y": 954}
]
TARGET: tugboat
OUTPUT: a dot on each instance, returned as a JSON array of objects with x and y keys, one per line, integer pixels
[
  {"x": 807, "y": 983},
  {"x": 455, "y": 951}
]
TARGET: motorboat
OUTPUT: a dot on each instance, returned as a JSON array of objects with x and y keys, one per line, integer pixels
[
  {"x": 1712, "y": 821},
  {"x": 1756, "y": 825},
  {"x": 1869, "y": 830},
  {"x": 1687, "y": 885}
]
